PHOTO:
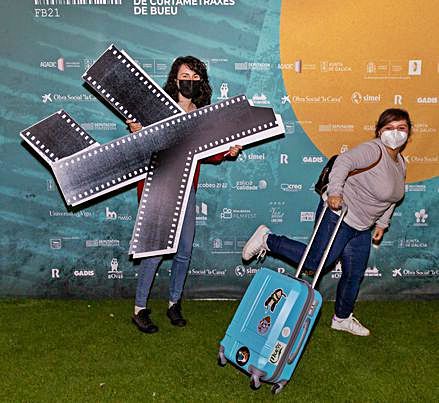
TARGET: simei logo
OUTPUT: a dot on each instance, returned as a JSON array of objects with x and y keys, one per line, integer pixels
[
  {"x": 358, "y": 98},
  {"x": 243, "y": 156},
  {"x": 55, "y": 273},
  {"x": 240, "y": 271}
]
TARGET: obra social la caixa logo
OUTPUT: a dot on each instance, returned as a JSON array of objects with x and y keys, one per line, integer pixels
[{"x": 400, "y": 272}]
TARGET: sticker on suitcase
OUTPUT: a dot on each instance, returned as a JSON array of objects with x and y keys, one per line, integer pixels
[
  {"x": 277, "y": 352},
  {"x": 275, "y": 297},
  {"x": 264, "y": 325},
  {"x": 242, "y": 356}
]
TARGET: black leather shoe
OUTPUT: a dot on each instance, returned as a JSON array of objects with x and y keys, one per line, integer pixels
[
  {"x": 144, "y": 322},
  {"x": 175, "y": 316}
]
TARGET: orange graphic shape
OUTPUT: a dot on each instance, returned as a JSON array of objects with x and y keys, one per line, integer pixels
[{"x": 346, "y": 62}]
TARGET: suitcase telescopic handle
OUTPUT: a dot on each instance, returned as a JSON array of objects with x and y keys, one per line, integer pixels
[{"x": 344, "y": 210}]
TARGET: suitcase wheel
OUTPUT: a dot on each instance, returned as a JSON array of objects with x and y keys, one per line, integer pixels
[
  {"x": 222, "y": 360},
  {"x": 277, "y": 388},
  {"x": 255, "y": 384}
]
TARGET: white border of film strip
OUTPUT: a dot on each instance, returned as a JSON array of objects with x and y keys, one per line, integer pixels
[
  {"x": 264, "y": 131},
  {"x": 42, "y": 149},
  {"x": 129, "y": 177},
  {"x": 138, "y": 74}
]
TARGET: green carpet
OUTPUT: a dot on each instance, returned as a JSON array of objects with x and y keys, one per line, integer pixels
[{"x": 88, "y": 351}]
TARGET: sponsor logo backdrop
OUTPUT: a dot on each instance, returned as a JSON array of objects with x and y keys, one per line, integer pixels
[{"x": 329, "y": 71}]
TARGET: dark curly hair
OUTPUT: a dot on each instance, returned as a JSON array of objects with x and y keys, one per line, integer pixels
[
  {"x": 200, "y": 68},
  {"x": 391, "y": 115}
]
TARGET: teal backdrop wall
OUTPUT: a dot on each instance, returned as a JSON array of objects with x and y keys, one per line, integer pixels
[{"x": 49, "y": 251}]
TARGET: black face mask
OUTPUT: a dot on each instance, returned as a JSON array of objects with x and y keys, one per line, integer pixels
[{"x": 190, "y": 89}]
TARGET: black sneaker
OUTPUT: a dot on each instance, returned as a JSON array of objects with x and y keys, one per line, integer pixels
[
  {"x": 144, "y": 322},
  {"x": 174, "y": 314}
]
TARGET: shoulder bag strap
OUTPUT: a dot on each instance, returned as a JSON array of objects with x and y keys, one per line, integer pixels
[{"x": 359, "y": 171}]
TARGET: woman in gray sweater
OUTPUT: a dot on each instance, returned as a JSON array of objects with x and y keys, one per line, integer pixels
[{"x": 370, "y": 197}]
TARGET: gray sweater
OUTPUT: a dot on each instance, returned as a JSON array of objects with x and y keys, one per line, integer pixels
[{"x": 371, "y": 195}]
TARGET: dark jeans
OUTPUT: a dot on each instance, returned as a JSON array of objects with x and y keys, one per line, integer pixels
[
  {"x": 180, "y": 265},
  {"x": 351, "y": 246}
]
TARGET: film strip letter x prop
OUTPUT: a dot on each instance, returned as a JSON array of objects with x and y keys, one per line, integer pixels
[{"x": 164, "y": 152}]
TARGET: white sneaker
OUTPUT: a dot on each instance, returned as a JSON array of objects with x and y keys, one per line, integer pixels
[
  {"x": 350, "y": 324},
  {"x": 257, "y": 244}
]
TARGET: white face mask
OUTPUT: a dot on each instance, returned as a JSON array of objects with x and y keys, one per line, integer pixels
[{"x": 393, "y": 138}]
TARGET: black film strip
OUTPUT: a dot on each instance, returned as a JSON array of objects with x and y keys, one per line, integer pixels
[
  {"x": 57, "y": 137},
  {"x": 208, "y": 131},
  {"x": 121, "y": 82}
]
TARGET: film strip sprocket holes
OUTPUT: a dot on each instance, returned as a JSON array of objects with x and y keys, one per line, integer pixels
[
  {"x": 87, "y": 170},
  {"x": 110, "y": 166},
  {"x": 128, "y": 89},
  {"x": 244, "y": 124},
  {"x": 69, "y": 137},
  {"x": 91, "y": 173}
]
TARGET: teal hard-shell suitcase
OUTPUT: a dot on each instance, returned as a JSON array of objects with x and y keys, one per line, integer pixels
[{"x": 273, "y": 321}]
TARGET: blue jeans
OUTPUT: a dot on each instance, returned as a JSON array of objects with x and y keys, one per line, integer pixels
[
  {"x": 351, "y": 246},
  {"x": 180, "y": 264}
]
